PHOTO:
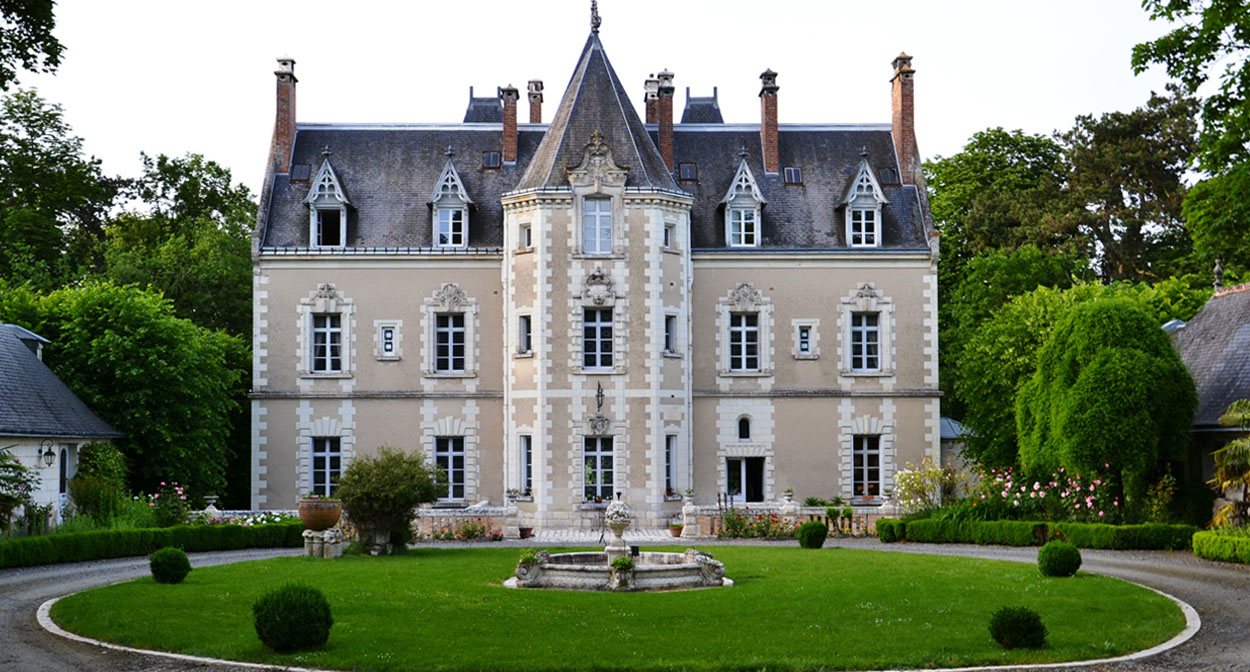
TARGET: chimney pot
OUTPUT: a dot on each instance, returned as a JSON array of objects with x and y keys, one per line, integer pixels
[
  {"x": 769, "y": 143},
  {"x": 536, "y": 101},
  {"x": 664, "y": 117},
  {"x": 283, "y": 143},
  {"x": 652, "y": 96},
  {"x": 903, "y": 126},
  {"x": 509, "y": 95}
]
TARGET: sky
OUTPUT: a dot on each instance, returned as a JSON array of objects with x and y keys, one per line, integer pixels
[{"x": 175, "y": 77}]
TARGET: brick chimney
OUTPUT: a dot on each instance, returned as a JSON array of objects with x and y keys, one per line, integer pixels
[
  {"x": 536, "y": 101},
  {"x": 284, "y": 122},
  {"x": 768, "y": 122},
  {"x": 509, "y": 96},
  {"x": 903, "y": 122},
  {"x": 652, "y": 96},
  {"x": 664, "y": 117}
]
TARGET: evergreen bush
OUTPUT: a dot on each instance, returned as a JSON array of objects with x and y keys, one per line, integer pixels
[
  {"x": 1018, "y": 628},
  {"x": 1058, "y": 558},
  {"x": 169, "y": 565},
  {"x": 292, "y": 618},
  {"x": 812, "y": 534},
  {"x": 380, "y": 493}
]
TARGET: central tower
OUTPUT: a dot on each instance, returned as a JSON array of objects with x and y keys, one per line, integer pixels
[{"x": 597, "y": 400}]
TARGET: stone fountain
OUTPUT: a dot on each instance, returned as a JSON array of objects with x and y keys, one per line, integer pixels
[{"x": 596, "y": 571}]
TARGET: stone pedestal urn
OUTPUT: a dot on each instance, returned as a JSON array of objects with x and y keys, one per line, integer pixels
[
  {"x": 618, "y": 517},
  {"x": 320, "y": 514},
  {"x": 689, "y": 517}
]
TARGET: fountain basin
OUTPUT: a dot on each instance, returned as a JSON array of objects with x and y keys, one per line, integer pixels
[{"x": 593, "y": 571}]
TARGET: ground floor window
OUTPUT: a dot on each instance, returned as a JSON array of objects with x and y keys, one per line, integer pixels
[
  {"x": 744, "y": 479},
  {"x": 599, "y": 469},
  {"x": 670, "y": 464},
  {"x": 449, "y": 456},
  {"x": 866, "y": 456},
  {"x": 327, "y": 464},
  {"x": 527, "y": 464}
]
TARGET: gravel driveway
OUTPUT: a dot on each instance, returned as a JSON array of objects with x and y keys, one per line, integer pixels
[{"x": 1219, "y": 592}]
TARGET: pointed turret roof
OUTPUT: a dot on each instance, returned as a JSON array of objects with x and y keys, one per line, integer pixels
[{"x": 596, "y": 101}]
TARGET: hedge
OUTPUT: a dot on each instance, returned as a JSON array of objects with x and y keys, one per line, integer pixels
[
  {"x": 1222, "y": 547},
  {"x": 102, "y": 544},
  {"x": 1029, "y": 533}
]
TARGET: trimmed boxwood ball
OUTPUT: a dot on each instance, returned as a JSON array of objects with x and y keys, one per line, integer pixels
[
  {"x": 292, "y": 618},
  {"x": 1058, "y": 558},
  {"x": 169, "y": 565},
  {"x": 1018, "y": 628},
  {"x": 812, "y": 534}
]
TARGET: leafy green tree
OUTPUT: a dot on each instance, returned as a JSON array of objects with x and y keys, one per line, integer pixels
[
  {"x": 1211, "y": 39},
  {"x": 17, "y": 482},
  {"x": 26, "y": 39},
  {"x": 1218, "y": 215},
  {"x": 1232, "y": 465},
  {"x": 1109, "y": 394},
  {"x": 160, "y": 379},
  {"x": 1126, "y": 174},
  {"x": 381, "y": 493}
]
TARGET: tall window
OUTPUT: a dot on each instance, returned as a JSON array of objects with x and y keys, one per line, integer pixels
[
  {"x": 670, "y": 463},
  {"x": 866, "y": 456},
  {"x": 327, "y": 344},
  {"x": 744, "y": 429},
  {"x": 527, "y": 464},
  {"x": 670, "y": 334},
  {"x": 743, "y": 227},
  {"x": 597, "y": 452},
  {"x": 451, "y": 229},
  {"x": 449, "y": 343},
  {"x": 523, "y": 343},
  {"x": 744, "y": 342},
  {"x": 327, "y": 464},
  {"x": 863, "y": 228},
  {"x": 449, "y": 456},
  {"x": 597, "y": 338},
  {"x": 329, "y": 227},
  {"x": 865, "y": 342},
  {"x": 597, "y": 226}
]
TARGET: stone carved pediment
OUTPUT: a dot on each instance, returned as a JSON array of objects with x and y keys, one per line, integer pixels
[
  {"x": 745, "y": 298},
  {"x": 600, "y": 289},
  {"x": 598, "y": 424},
  {"x": 326, "y": 298},
  {"x": 597, "y": 168},
  {"x": 451, "y": 298}
]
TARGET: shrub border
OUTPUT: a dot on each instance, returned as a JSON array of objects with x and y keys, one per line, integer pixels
[
  {"x": 1150, "y": 536},
  {"x": 1222, "y": 547},
  {"x": 102, "y": 544}
]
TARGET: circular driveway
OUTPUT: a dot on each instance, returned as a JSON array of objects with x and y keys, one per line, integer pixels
[{"x": 1219, "y": 592}]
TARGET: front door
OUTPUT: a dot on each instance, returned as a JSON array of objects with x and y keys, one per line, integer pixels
[
  {"x": 62, "y": 484},
  {"x": 745, "y": 476}
]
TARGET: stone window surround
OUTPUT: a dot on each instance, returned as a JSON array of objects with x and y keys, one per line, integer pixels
[
  {"x": 326, "y": 300},
  {"x": 449, "y": 299},
  {"x": 323, "y": 427},
  {"x": 745, "y": 299},
  {"x": 813, "y": 336},
  {"x": 866, "y": 298},
  {"x": 397, "y": 329},
  {"x": 599, "y": 292},
  {"x": 865, "y": 425},
  {"x": 455, "y": 427},
  {"x": 761, "y": 413}
]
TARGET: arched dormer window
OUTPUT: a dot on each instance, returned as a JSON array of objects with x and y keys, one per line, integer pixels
[
  {"x": 744, "y": 428},
  {"x": 450, "y": 203},
  {"x": 863, "y": 209},
  {"x": 743, "y": 203},
  {"x": 327, "y": 209}
]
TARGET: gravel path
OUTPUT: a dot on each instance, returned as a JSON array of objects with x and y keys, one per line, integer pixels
[{"x": 1219, "y": 592}]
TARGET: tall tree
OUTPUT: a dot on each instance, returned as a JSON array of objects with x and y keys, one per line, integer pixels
[
  {"x": 1126, "y": 175},
  {"x": 1217, "y": 213},
  {"x": 26, "y": 39}
]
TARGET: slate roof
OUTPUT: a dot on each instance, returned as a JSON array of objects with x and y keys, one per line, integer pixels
[
  {"x": 953, "y": 430},
  {"x": 391, "y": 169},
  {"x": 701, "y": 110},
  {"x": 1215, "y": 347},
  {"x": 34, "y": 402}
]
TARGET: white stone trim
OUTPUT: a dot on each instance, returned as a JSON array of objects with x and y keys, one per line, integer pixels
[
  {"x": 465, "y": 425},
  {"x": 850, "y": 424},
  {"x": 761, "y": 411},
  {"x": 326, "y": 300},
  {"x": 450, "y": 299},
  {"x": 813, "y": 336},
  {"x": 744, "y": 299},
  {"x": 308, "y": 427},
  {"x": 397, "y": 327},
  {"x": 866, "y": 298}
]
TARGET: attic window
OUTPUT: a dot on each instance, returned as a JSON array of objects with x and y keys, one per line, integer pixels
[
  {"x": 299, "y": 173},
  {"x": 889, "y": 176},
  {"x": 490, "y": 159},
  {"x": 688, "y": 172},
  {"x": 793, "y": 175}
]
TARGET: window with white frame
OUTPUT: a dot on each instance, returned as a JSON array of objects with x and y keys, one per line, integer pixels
[
  {"x": 327, "y": 343},
  {"x": 863, "y": 209},
  {"x": 449, "y": 457},
  {"x": 805, "y": 339},
  {"x": 670, "y": 334},
  {"x": 670, "y": 464},
  {"x": 743, "y": 229},
  {"x": 449, "y": 343},
  {"x": 597, "y": 338},
  {"x": 670, "y": 235},
  {"x": 866, "y": 465},
  {"x": 327, "y": 465},
  {"x": 331, "y": 227},
  {"x": 743, "y": 203},
  {"x": 744, "y": 342},
  {"x": 865, "y": 342},
  {"x": 599, "y": 468},
  {"x": 452, "y": 231},
  {"x": 526, "y": 237},
  {"x": 864, "y": 227},
  {"x": 597, "y": 225},
  {"x": 523, "y": 342},
  {"x": 387, "y": 339},
  {"x": 527, "y": 464},
  {"x": 327, "y": 204}
]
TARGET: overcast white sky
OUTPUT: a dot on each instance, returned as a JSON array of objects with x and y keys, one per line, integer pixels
[{"x": 176, "y": 77}]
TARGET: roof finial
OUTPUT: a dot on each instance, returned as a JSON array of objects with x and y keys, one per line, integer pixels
[
  {"x": 325, "y": 151},
  {"x": 1219, "y": 275},
  {"x": 863, "y": 151},
  {"x": 450, "y": 152},
  {"x": 595, "y": 21},
  {"x": 743, "y": 153}
]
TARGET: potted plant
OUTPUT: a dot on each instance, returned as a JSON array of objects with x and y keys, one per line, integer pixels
[
  {"x": 319, "y": 513},
  {"x": 675, "y": 526},
  {"x": 789, "y": 494}
]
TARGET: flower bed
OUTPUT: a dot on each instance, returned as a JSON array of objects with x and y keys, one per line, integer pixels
[
  {"x": 101, "y": 544},
  {"x": 1031, "y": 533},
  {"x": 1223, "y": 547},
  {"x": 749, "y": 525}
]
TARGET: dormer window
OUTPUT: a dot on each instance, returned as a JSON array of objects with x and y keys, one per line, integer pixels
[
  {"x": 450, "y": 203},
  {"x": 863, "y": 203},
  {"x": 490, "y": 160},
  {"x": 743, "y": 203},
  {"x": 327, "y": 209}
]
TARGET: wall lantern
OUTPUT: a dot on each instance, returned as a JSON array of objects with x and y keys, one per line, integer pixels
[{"x": 48, "y": 455}]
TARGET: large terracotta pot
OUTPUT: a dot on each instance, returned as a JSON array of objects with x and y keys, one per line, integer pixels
[{"x": 320, "y": 514}]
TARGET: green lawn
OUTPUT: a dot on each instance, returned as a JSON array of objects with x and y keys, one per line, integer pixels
[{"x": 792, "y": 608}]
